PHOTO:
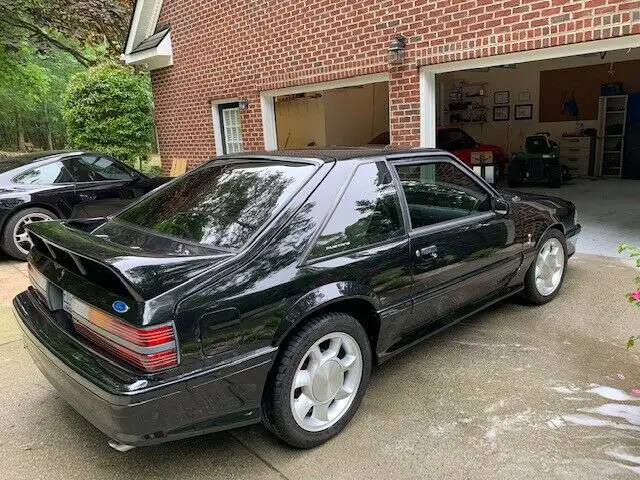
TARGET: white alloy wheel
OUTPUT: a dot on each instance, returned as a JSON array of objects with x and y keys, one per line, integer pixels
[
  {"x": 20, "y": 234},
  {"x": 326, "y": 381},
  {"x": 549, "y": 267}
]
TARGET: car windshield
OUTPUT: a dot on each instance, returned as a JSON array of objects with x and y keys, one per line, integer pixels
[{"x": 220, "y": 205}]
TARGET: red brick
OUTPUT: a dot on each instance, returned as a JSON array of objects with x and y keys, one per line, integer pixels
[{"x": 231, "y": 49}]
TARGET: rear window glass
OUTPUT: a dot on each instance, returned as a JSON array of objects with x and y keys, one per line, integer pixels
[{"x": 220, "y": 205}]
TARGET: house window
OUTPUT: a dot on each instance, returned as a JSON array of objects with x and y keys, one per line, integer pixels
[{"x": 231, "y": 129}]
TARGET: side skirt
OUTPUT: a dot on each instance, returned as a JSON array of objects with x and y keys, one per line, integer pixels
[{"x": 422, "y": 333}]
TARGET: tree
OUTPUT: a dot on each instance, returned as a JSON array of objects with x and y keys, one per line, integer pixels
[
  {"x": 31, "y": 87},
  {"x": 86, "y": 29},
  {"x": 108, "y": 108}
]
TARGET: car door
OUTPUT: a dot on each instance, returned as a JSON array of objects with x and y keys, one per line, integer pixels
[
  {"x": 103, "y": 185},
  {"x": 463, "y": 252}
]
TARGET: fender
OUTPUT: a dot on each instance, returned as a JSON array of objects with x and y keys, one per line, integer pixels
[
  {"x": 529, "y": 251},
  {"x": 27, "y": 203},
  {"x": 320, "y": 298}
]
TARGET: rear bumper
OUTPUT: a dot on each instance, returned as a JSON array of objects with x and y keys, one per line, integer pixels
[{"x": 140, "y": 410}]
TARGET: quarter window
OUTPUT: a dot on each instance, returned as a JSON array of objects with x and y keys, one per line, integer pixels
[
  {"x": 440, "y": 191},
  {"x": 368, "y": 213},
  {"x": 45, "y": 175}
]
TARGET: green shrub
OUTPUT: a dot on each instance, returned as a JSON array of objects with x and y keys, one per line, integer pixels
[{"x": 108, "y": 108}]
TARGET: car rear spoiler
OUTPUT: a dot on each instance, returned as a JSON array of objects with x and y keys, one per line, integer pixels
[{"x": 115, "y": 267}]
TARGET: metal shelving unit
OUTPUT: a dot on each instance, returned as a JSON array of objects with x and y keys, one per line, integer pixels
[
  {"x": 612, "y": 125},
  {"x": 466, "y": 104}
]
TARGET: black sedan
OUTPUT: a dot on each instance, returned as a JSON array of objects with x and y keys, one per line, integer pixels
[
  {"x": 263, "y": 287},
  {"x": 49, "y": 185}
]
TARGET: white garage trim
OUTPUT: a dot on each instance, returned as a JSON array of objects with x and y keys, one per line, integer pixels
[
  {"x": 428, "y": 72},
  {"x": 268, "y": 109}
]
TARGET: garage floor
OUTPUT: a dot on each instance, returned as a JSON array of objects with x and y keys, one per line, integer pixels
[
  {"x": 515, "y": 392},
  {"x": 609, "y": 211}
]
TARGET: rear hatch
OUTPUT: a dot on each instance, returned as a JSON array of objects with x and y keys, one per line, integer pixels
[
  {"x": 121, "y": 258},
  {"x": 98, "y": 289},
  {"x": 116, "y": 283}
]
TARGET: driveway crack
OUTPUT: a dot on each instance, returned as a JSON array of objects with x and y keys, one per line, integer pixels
[
  {"x": 258, "y": 456},
  {"x": 9, "y": 342}
]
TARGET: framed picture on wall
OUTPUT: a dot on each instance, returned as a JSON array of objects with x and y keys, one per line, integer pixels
[
  {"x": 501, "y": 113},
  {"x": 523, "y": 112},
  {"x": 501, "y": 98},
  {"x": 524, "y": 96}
]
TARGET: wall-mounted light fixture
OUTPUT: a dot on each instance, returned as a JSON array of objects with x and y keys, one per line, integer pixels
[
  {"x": 396, "y": 49},
  {"x": 243, "y": 104}
]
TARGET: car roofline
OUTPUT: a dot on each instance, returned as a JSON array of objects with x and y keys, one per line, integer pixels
[{"x": 260, "y": 157}]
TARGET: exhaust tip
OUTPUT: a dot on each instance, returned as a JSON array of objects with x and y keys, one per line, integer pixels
[{"x": 120, "y": 447}]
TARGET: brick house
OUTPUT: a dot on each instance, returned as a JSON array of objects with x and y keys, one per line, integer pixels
[{"x": 225, "y": 73}]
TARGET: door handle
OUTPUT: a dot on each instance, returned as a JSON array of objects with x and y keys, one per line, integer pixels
[{"x": 431, "y": 251}]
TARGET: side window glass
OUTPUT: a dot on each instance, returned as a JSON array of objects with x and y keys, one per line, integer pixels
[
  {"x": 440, "y": 191},
  {"x": 368, "y": 213},
  {"x": 45, "y": 175},
  {"x": 92, "y": 168}
]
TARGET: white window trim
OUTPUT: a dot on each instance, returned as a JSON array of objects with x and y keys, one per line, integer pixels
[
  {"x": 217, "y": 122},
  {"x": 428, "y": 72},
  {"x": 268, "y": 108}
]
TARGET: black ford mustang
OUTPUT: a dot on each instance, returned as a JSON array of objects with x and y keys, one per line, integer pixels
[
  {"x": 263, "y": 287},
  {"x": 49, "y": 185}
]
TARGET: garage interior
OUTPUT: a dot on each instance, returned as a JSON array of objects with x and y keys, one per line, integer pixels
[
  {"x": 588, "y": 104},
  {"x": 353, "y": 115},
  {"x": 581, "y": 101}
]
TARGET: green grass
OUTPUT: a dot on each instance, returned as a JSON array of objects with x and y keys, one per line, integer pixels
[{"x": 153, "y": 166}]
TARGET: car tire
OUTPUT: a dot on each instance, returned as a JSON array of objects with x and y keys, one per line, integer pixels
[
  {"x": 544, "y": 277},
  {"x": 15, "y": 226},
  {"x": 554, "y": 173},
  {"x": 514, "y": 175},
  {"x": 329, "y": 352}
]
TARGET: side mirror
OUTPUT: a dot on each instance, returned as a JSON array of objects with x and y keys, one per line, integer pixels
[{"x": 500, "y": 206}]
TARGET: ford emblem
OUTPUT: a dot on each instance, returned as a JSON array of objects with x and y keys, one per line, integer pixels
[{"x": 120, "y": 307}]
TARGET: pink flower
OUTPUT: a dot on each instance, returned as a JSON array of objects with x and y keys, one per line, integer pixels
[{"x": 635, "y": 295}]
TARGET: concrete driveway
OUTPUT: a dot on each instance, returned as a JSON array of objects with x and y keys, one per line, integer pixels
[
  {"x": 514, "y": 392},
  {"x": 608, "y": 210}
]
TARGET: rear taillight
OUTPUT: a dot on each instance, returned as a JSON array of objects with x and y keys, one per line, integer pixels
[
  {"x": 38, "y": 281},
  {"x": 150, "y": 349}
]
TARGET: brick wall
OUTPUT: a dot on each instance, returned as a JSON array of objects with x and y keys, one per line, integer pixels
[{"x": 228, "y": 49}]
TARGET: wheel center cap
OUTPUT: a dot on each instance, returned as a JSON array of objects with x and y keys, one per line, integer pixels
[{"x": 327, "y": 381}]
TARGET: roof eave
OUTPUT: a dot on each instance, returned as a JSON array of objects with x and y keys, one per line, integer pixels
[
  {"x": 142, "y": 26},
  {"x": 158, "y": 57}
]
